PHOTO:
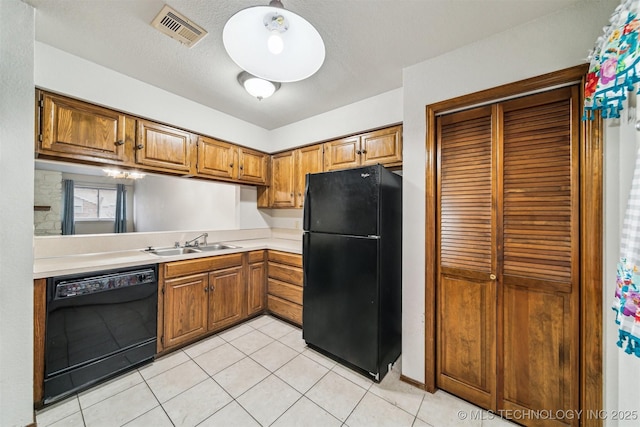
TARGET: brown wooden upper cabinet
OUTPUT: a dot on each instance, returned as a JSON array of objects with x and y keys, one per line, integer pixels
[
  {"x": 282, "y": 191},
  {"x": 308, "y": 160},
  {"x": 75, "y": 129},
  {"x": 223, "y": 160},
  {"x": 382, "y": 146},
  {"x": 163, "y": 147},
  {"x": 252, "y": 166},
  {"x": 288, "y": 171}
]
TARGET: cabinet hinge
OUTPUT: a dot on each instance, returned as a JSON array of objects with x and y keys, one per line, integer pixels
[
  {"x": 162, "y": 289},
  {"x": 40, "y": 137},
  {"x": 162, "y": 340},
  {"x": 41, "y": 103}
]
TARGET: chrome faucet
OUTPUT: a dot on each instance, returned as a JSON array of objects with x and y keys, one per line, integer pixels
[{"x": 194, "y": 242}]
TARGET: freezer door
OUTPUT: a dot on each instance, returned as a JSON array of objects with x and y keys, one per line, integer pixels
[
  {"x": 340, "y": 312},
  {"x": 343, "y": 202}
]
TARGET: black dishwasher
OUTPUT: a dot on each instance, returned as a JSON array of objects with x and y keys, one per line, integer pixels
[{"x": 97, "y": 326}]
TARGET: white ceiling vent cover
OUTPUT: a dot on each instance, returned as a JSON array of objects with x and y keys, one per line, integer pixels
[{"x": 179, "y": 27}]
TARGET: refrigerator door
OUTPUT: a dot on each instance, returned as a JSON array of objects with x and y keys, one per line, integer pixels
[
  {"x": 341, "y": 307},
  {"x": 343, "y": 202}
]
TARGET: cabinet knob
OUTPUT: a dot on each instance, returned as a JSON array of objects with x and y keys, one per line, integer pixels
[
  {"x": 358, "y": 152},
  {"x": 291, "y": 194},
  {"x": 211, "y": 288},
  {"x": 230, "y": 165},
  {"x": 206, "y": 289},
  {"x": 364, "y": 151},
  {"x": 241, "y": 167},
  {"x": 492, "y": 277},
  {"x": 120, "y": 142},
  {"x": 139, "y": 146}
]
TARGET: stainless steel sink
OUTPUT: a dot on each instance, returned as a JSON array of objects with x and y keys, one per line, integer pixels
[
  {"x": 216, "y": 247},
  {"x": 173, "y": 251},
  {"x": 190, "y": 249}
]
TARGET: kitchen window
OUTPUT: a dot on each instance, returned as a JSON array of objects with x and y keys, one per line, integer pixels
[{"x": 94, "y": 203}]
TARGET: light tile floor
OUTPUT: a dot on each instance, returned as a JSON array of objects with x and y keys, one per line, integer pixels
[{"x": 260, "y": 373}]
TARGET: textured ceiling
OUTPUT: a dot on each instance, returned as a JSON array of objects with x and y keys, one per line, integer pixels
[{"x": 368, "y": 43}]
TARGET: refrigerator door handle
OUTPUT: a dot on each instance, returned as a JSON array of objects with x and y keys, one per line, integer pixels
[
  {"x": 305, "y": 258},
  {"x": 305, "y": 208}
]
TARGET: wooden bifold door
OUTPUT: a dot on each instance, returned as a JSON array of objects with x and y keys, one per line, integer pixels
[{"x": 508, "y": 255}]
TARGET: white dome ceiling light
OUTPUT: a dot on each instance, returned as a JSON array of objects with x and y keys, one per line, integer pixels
[
  {"x": 256, "y": 86},
  {"x": 273, "y": 43}
]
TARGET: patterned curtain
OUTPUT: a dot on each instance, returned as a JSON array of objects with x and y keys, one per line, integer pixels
[
  {"x": 627, "y": 294},
  {"x": 68, "y": 223},
  {"x": 121, "y": 209}
]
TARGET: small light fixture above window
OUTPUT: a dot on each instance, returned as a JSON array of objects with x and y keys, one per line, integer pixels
[
  {"x": 260, "y": 88},
  {"x": 117, "y": 173}
]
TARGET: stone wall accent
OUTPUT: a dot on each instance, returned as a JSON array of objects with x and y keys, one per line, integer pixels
[{"x": 48, "y": 192}]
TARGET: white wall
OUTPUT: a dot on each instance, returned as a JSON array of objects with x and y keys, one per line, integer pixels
[
  {"x": 70, "y": 75},
  {"x": 248, "y": 215},
  {"x": 167, "y": 203},
  {"x": 16, "y": 212},
  {"x": 374, "y": 112}
]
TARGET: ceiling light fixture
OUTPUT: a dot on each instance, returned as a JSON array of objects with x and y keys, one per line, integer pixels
[
  {"x": 256, "y": 86},
  {"x": 273, "y": 43}
]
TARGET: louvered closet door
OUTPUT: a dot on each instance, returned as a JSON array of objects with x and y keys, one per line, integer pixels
[
  {"x": 467, "y": 246},
  {"x": 508, "y": 255},
  {"x": 539, "y": 307}
]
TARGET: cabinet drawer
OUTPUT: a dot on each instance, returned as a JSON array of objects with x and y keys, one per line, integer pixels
[
  {"x": 199, "y": 265},
  {"x": 285, "y": 291},
  {"x": 285, "y": 309},
  {"x": 285, "y": 273},
  {"x": 255, "y": 256},
  {"x": 286, "y": 258}
]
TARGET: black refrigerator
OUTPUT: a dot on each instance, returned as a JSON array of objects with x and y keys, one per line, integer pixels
[{"x": 352, "y": 259}]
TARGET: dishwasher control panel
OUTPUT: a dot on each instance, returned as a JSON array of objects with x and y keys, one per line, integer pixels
[{"x": 89, "y": 285}]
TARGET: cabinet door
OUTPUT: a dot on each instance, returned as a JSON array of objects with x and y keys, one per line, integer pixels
[
  {"x": 163, "y": 147},
  {"x": 216, "y": 158},
  {"x": 342, "y": 154},
  {"x": 185, "y": 309},
  {"x": 282, "y": 180},
  {"x": 256, "y": 287},
  {"x": 78, "y": 130},
  {"x": 308, "y": 160},
  {"x": 226, "y": 297},
  {"x": 252, "y": 166},
  {"x": 383, "y": 146}
]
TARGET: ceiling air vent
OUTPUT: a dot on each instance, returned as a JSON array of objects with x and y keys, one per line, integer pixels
[{"x": 177, "y": 26}]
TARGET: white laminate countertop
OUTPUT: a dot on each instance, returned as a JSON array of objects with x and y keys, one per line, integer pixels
[{"x": 85, "y": 263}]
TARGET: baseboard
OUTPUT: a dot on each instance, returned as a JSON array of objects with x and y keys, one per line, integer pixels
[{"x": 412, "y": 382}]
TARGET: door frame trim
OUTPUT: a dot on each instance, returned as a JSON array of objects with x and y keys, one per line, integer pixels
[{"x": 591, "y": 230}]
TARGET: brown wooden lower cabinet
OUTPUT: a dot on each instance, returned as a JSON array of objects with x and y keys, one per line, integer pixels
[
  {"x": 285, "y": 309},
  {"x": 284, "y": 298},
  {"x": 185, "y": 309},
  {"x": 204, "y": 295},
  {"x": 226, "y": 297},
  {"x": 39, "y": 320},
  {"x": 256, "y": 280}
]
